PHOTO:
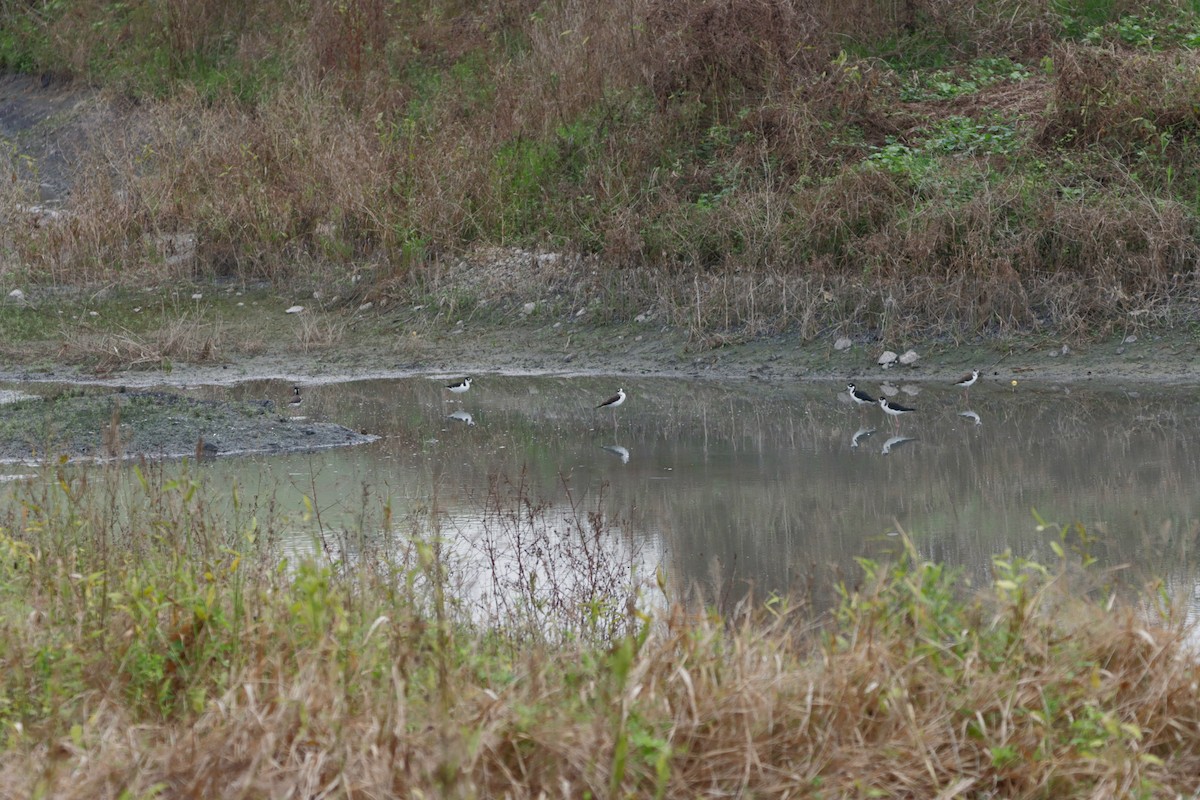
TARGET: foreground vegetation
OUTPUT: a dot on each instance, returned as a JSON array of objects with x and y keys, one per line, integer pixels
[
  {"x": 153, "y": 646},
  {"x": 755, "y": 165}
]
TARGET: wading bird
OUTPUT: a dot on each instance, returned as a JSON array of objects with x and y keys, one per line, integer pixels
[
  {"x": 615, "y": 400},
  {"x": 894, "y": 410},
  {"x": 967, "y": 381},
  {"x": 860, "y": 398}
]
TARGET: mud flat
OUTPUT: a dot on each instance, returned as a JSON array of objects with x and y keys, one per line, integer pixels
[{"x": 155, "y": 424}]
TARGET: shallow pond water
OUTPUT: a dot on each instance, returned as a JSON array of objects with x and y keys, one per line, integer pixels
[{"x": 750, "y": 484}]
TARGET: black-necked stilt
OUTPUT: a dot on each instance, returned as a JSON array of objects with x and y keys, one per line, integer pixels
[
  {"x": 614, "y": 401},
  {"x": 458, "y": 387},
  {"x": 296, "y": 398},
  {"x": 462, "y": 416},
  {"x": 894, "y": 410},
  {"x": 971, "y": 415},
  {"x": 860, "y": 397},
  {"x": 967, "y": 381}
]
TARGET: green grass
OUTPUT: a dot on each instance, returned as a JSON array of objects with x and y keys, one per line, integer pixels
[{"x": 22, "y": 323}]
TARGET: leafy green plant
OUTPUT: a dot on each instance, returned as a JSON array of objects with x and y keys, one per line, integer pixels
[
  {"x": 948, "y": 84},
  {"x": 952, "y": 136},
  {"x": 901, "y": 159},
  {"x": 1130, "y": 30},
  {"x": 1149, "y": 33},
  {"x": 1160, "y": 27},
  {"x": 21, "y": 43},
  {"x": 963, "y": 135}
]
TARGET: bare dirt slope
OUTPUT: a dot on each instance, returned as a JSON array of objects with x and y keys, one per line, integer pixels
[{"x": 45, "y": 122}]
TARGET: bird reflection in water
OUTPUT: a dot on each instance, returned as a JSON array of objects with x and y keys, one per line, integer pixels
[
  {"x": 462, "y": 416},
  {"x": 618, "y": 451},
  {"x": 859, "y": 434},
  {"x": 894, "y": 442}
]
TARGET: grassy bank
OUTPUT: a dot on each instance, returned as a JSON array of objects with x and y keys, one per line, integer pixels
[
  {"x": 875, "y": 168},
  {"x": 152, "y": 646}
]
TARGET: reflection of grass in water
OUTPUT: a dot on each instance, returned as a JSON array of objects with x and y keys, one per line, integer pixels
[
  {"x": 789, "y": 497},
  {"x": 965, "y": 491},
  {"x": 149, "y": 639}
]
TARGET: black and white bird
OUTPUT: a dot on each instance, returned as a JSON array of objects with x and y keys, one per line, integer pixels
[
  {"x": 296, "y": 398},
  {"x": 459, "y": 387},
  {"x": 967, "y": 381},
  {"x": 860, "y": 398},
  {"x": 894, "y": 410},
  {"x": 614, "y": 401}
]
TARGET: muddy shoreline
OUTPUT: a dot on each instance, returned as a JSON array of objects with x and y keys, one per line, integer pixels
[
  {"x": 1165, "y": 358},
  {"x": 121, "y": 425},
  {"x": 78, "y": 412}
]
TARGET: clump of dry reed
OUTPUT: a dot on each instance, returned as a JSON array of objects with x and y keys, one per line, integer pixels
[
  {"x": 1123, "y": 97},
  {"x": 152, "y": 647},
  {"x": 183, "y": 338}
]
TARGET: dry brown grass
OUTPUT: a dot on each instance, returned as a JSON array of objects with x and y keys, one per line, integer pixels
[
  {"x": 1105, "y": 94},
  {"x": 721, "y": 51},
  {"x": 151, "y": 649},
  {"x": 318, "y": 331},
  {"x": 181, "y": 338},
  {"x": 728, "y": 140},
  {"x": 1027, "y": 692},
  {"x": 1076, "y": 264},
  {"x": 260, "y": 204}
]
